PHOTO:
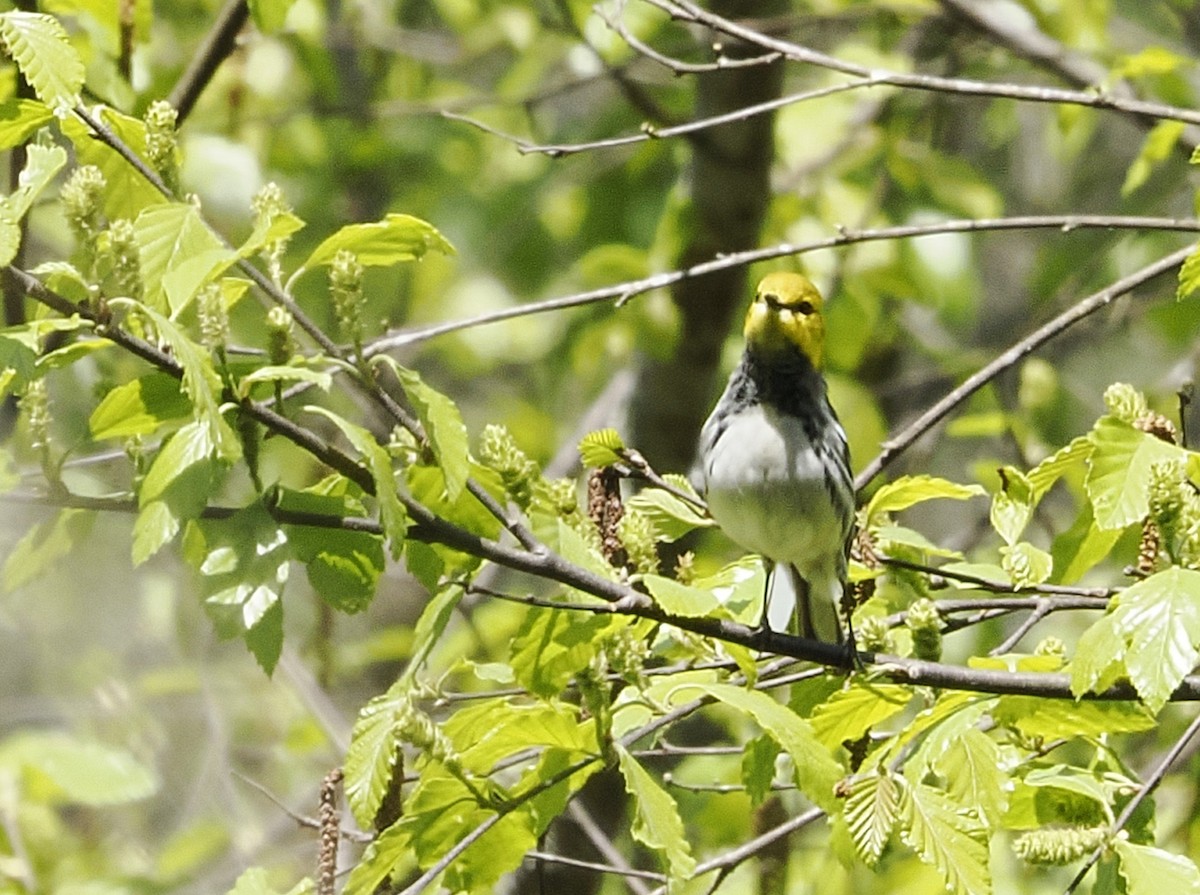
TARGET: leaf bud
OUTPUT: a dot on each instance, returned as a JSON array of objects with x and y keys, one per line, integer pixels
[
  {"x": 346, "y": 287},
  {"x": 82, "y": 199},
  {"x": 161, "y": 143},
  {"x": 281, "y": 343},
  {"x": 925, "y": 624},
  {"x": 1125, "y": 402}
]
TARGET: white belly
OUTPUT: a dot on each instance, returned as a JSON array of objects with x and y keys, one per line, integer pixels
[{"x": 765, "y": 487}]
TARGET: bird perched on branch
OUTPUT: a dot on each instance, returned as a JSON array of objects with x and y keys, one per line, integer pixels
[{"x": 774, "y": 460}]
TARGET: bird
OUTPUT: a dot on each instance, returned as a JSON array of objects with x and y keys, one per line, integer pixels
[{"x": 774, "y": 463}]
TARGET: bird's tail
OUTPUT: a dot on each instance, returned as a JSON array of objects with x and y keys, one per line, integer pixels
[{"x": 815, "y": 604}]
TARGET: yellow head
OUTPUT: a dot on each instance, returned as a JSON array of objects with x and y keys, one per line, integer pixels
[{"x": 787, "y": 312}]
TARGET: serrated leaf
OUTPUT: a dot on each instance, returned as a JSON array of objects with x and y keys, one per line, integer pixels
[
  {"x": 600, "y": 449},
  {"x": 385, "y": 853},
  {"x": 443, "y": 425},
  {"x": 816, "y": 769},
  {"x": 1099, "y": 658},
  {"x": 398, "y": 237},
  {"x": 681, "y": 599},
  {"x": 656, "y": 820},
  {"x": 1060, "y": 718},
  {"x": 1071, "y": 456},
  {"x": 139, "y": 407},
  {"x": 392, "y": 514},
  {"x": 42, "y": 164},
  {"x": 672, "y": 517},
  {"x": 19, "y": 118},
  {"x": 950, "y": 839},
  {"x": 1160, "y": 617},
  {"x": 553, "y": 644},
  {"x": 1189, "y": 274},
  {"x": 849, "y": 714},
  {"x": 371, "y": 759},
  {"x": 871, "y": 811},
  {"x": 1151, "y": 871},
  {"x": 178, "y": 254},
  {"x": 974, "y": 776},
  {"x": 39, "y": 45},
  {"x": 1012, "y": 505},
  {"x": 1118, "y": 477},
  {"x": 909, "y": 491}
]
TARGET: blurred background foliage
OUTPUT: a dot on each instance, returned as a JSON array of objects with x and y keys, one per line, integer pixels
[{"x": 342, "y": 104}]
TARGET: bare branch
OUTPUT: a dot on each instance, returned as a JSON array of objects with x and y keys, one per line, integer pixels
[
  {"x": 931, "y": 417},
  {"x": 219, "y": 44},
  {"x": 621, "y": 292}
]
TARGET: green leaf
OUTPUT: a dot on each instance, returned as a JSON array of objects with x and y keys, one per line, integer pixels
[
  {"x": 268, "y": 230},
  {"x": 947, "y": 837},
  {"x": 553, "y": 644},
  {"x": 83, "y": 771},
  {"x": 443, "y": 427},
  {"x": 190, "y": 446},
  {"x": 758, "y": 767},
  {"x": 43, "y": 546},
  {"x": 1060, "y": 718},
  {"x": 672, "y": 517},
  {"x": 1099, "y": 658},
  {"x": 1189, "y": 277},
  {"x": 601, "y": 448},
  {"x": 398, "y": 237},
  {"x": 972, "y": 770},
  {"x": 256, "y": 881},
  {"x": 1025, "y": 564},
  {"x": 849, "y": 714},
  {"x": 178, "y": 254},
  {"x": 392, "y": 514},
  {"x": 243, "y": 573},
  {"x": 871, "y": 812},
  {"x": 320, "y": 378},
  {"x": 911, "y": 490},
  {"x": 1077, "y": 550},
  {"x": 139, "y": 407},
  {"x": 371, "y": 759},
  {"x": 656, "y": 821},
  {"x": 1118, "y": 477},
  {"x": 19, "y": 118},
  {"x": 42, "y": 164},
  {"x": 427, "y": 633},
  {"x": 681, "y": 599},
  {"x": 1158, "y": 145},
  {"x": 1070, "y": 457},
  {"x": 1161, "y": 616},
  {"x": 1151, "y": 871},
  {"x": 390, "y": 849},
  {"x": 816, "y": 770},
  {"x": 200, "y": 382},
  {"x": 1012, "y": 505},
  {"x": 39, "y": 45}
]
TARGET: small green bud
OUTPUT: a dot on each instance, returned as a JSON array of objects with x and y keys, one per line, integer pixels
[
  {"x": 213, "y": 316},
  {"x": 161, "y": 143},
  {"x": 83, "y": 201},
  {"x": 637, "y": 534},
  {"x": 268, "y": 204},
  {"x": 346, "y": 287},
  {"x": 281, "y": 342},
  {"x": 1125, "y": 402},
  {"x": 925, "y": 624}
]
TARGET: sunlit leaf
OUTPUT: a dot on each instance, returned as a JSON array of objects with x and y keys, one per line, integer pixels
[
  {"x": 139, "y": 407},
  {"x": 909, "y": 491},
  {"x": 19, "y": 118},
  {"x": 656, "y": 821},
  {"x": 871, "y": 811},
  {"x": 398, "y": 237},
  {"x": 947, "y": 837},
  {"x": 43, "y": 52},
  {"x": 178, "y": 253},
  {"x": 599, "y": 449},
  {"x": 849, "y": 714},
  {"x": 1151, "y": 871},
  {"x": 1118, "y": 479}
]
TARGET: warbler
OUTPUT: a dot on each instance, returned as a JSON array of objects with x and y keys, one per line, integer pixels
[{"x": 774, "y": 463}]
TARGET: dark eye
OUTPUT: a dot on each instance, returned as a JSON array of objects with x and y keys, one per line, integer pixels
[
  {"x": 805, "y": 308},
  {"x": 771, "y": 299}
]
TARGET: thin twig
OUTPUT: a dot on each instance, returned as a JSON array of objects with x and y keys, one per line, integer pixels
[
  {"x": 688, "y": 11},
  {"x": 1002, "y": 587},
  {"x": 219, "y": 44},
  {"x": 931, "y": 417},
  {"x": 591, "y": 865},
  {"x": 1143, "y": 793},
  {"x": 619, "y": 291}
]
